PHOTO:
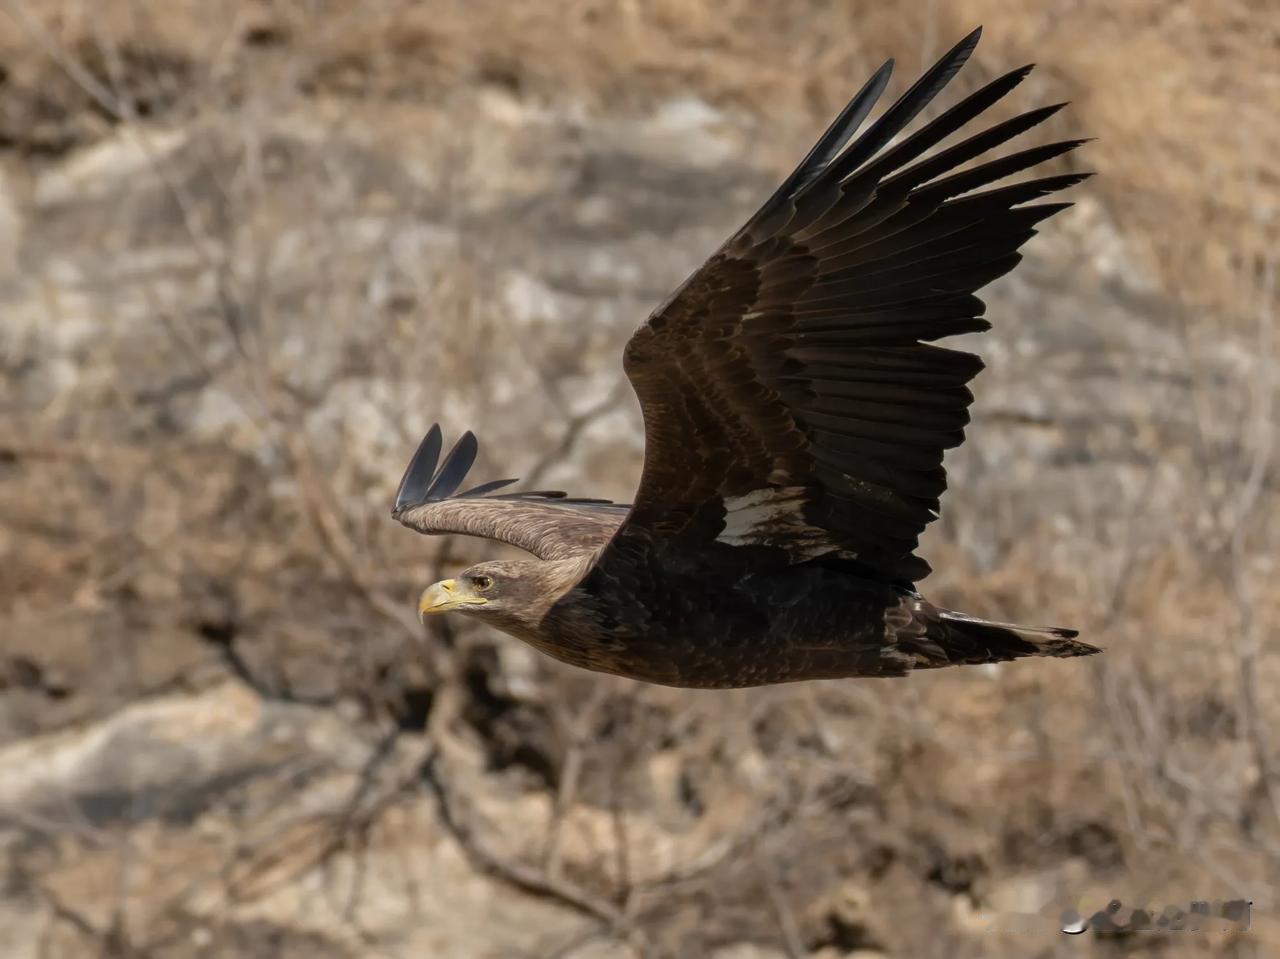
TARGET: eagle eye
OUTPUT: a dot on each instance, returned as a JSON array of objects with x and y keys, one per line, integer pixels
[{"x": 481, "y": 583}]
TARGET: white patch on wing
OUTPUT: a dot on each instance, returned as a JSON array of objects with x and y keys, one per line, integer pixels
[
  {"x": 900, "y": 656},
  {"x": 748, "y": 515},
  {"x": 772, "y": 516}
]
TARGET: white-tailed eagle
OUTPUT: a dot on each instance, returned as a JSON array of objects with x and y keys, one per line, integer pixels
[{"x": 795, "y": 415}]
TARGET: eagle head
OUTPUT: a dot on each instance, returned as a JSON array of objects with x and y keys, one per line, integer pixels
[{"x": 506, "y": 593}]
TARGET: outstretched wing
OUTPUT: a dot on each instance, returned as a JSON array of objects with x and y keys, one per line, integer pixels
[
  {"x": 790, "y": 398},
  {"x": 545, "y": 522}
]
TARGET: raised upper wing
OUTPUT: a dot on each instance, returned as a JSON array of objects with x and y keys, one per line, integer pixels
[
  {"x": 545, "y": 522},
  {"x": 790, "y": 398}
]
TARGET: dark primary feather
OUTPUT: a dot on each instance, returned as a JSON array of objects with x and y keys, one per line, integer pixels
[
  {"x": 418, "y": 474},
  {"x": 798, "y": 356},
  {"x": 830, "y": 143},
  {"x": 904, "y": 110},
  {"x": 484, "y": 489},
  {"x": 454, "y": 468}
]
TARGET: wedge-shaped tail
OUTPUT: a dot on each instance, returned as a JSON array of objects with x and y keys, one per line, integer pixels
[{"x": 956, "y": 639}]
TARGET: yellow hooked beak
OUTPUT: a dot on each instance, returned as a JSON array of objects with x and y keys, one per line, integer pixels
[{"x": 446, "y": 595}]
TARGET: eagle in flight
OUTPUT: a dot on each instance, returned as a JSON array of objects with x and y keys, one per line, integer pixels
[{"x": 795, "y": 417}]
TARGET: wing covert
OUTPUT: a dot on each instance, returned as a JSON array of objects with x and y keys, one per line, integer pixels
[{"x": 547, "y": 523}]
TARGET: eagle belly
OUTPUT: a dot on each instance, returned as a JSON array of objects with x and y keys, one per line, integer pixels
[
  {"x": 713, "y": 628},
  {"x": 705, "y": 626}
]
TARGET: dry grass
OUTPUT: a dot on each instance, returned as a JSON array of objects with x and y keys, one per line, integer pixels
[{"x": 1181, "y": 99}]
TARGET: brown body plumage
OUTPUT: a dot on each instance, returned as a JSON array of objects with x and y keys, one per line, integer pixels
[{"x": 795, "y": 423}]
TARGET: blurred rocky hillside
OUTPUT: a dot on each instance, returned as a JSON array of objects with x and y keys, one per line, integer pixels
[{"x": 250, "y": 251}]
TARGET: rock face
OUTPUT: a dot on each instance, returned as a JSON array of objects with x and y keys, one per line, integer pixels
[{"x": 222, "y": 732}]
